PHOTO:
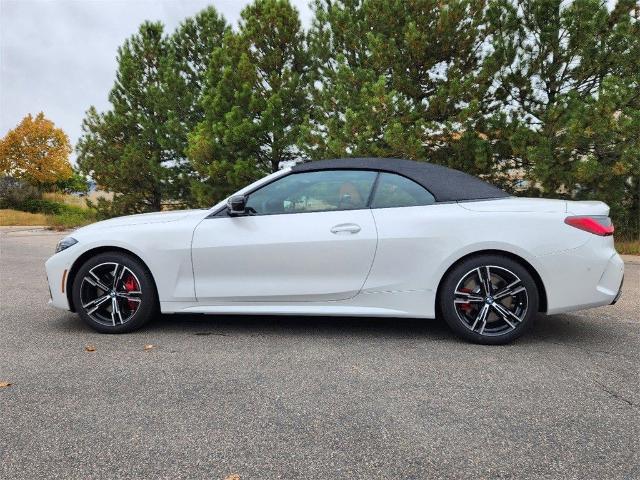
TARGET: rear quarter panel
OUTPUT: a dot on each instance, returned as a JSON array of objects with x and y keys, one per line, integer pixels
[{"x": 417, "y": 245}]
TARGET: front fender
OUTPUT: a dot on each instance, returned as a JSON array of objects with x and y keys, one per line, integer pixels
[{"x": 164, "y": 248}]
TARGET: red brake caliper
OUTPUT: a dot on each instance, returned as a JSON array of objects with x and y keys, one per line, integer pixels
[
  {"x": 465, "y": 306},
  {"x": 130, "y": 285}
]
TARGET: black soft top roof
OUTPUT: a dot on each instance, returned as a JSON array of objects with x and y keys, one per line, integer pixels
[{"x": 446, "y": 184}]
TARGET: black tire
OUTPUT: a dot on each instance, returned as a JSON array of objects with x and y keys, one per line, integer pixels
[
  {"x": 480, "y": 318},
  {"x": 134, "y": 292}
]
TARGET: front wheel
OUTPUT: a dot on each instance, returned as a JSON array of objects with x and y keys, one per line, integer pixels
[
  {"x": 489, "y": 299},
  {"x": 114, "y": 293}
]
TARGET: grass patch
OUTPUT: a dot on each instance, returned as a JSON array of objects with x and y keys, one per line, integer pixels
[
  {"x": 628, "y": 247},
  {"x": 73, "y": 200},
  {"x": 68, "y": 219},
  {"x": 10, "y": 218}
]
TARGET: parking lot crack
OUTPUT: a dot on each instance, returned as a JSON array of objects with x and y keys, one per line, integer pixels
[
  {"x": 614, "y": 394},
  {"x": 600, "y": 386}
]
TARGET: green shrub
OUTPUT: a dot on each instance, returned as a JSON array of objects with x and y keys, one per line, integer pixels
[
  {"x": 15, "y": 192},
  {"x": 76, "y": 183},
  {"x": 73, "y": 217},
  {"x": 40, "y": 205},
  {"x": 50, "y": 207}
]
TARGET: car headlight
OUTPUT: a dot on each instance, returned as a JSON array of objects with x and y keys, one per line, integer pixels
[{"x": 65, "y": 243}]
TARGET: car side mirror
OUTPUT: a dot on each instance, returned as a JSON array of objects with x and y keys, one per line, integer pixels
[{"x": 237, "y": 205}]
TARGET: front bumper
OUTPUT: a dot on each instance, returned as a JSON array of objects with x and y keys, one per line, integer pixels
[{"x": 57, "y": 268}]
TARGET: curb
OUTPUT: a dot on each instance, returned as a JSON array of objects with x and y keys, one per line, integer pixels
[
  {"x": 28, "y": 230},
  {"x": 632, "y": 259}
]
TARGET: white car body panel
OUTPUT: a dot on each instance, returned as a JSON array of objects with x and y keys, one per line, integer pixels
[
  {"x": 165, "y": 249},
  {"x": 283, "y": 257},
  {"x": 392, "y": 266}
]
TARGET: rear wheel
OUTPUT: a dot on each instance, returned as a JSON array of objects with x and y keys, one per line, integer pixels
[
  {"x": 489, "y": 299},
  {"x": 114, "y": 293}
]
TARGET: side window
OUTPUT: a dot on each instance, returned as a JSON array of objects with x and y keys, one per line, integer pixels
[
  {"x": 397, "y": 191},
  {"x": 314, "y": 192}
]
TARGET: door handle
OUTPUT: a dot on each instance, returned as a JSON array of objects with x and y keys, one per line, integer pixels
[{"x": 345, "y": 228}]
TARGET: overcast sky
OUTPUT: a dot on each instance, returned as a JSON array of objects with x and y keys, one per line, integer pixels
[{"x": 59, "y": 56}]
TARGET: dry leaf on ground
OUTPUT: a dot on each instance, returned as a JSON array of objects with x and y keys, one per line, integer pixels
[
  {"x": 233, "y": 476},
  {"x": 5, "y": 384},
  {"x": 89, "y": 348},
  {"x": 149, "y": 346}
]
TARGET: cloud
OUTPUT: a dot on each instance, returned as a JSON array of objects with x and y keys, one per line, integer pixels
[{"x": 59, "y": 56}]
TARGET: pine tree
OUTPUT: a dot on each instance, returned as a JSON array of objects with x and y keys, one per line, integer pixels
[
  {"x": 138, "y": 148},
  {"x": 409, "y": 79},
  {"x": 571, "y": 87},
  {"x": 122, "y": 149},
  {"x": 254, "y": 102},
  {"x": 190, "y": 51}
]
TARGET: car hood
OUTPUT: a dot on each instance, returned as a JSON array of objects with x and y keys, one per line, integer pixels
[{"x": 143, "y": 218}]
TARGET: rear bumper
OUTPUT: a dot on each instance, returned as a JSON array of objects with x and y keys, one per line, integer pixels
[
  {"x": 619, "y": 294},
  {"x": 586, "y": 277}
]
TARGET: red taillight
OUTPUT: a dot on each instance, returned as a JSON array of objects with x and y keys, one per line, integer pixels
[{"x": 596, "y": 224}]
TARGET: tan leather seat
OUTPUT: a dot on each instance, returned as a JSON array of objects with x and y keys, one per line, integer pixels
[{"x": 350, "y": 196}]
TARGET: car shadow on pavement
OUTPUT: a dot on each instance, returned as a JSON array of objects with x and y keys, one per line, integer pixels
[
  {"x": 251, "y": 325},
  {"x": 555, "y": 329},
  {"x": 300, "y": 325}
]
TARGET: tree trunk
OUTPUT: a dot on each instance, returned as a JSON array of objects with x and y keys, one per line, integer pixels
[{"x": 156, "y": 203}]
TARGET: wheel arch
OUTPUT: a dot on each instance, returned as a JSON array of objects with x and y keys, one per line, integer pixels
[
  {"x": 542, "y": 293},
  {"x": 77, "y": 264}
]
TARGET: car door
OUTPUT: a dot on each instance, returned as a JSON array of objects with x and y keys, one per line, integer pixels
[
  {"x": 309, "y": 237},
  {"x": 412, "y": 235}
]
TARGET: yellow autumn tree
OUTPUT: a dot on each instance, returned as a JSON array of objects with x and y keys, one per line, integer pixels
[{"x": 36, "y": 151}]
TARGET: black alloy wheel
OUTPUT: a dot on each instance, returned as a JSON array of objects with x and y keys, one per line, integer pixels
[
  {"x": 114, "y": 293},
  {"x": 489, "y": 299}
]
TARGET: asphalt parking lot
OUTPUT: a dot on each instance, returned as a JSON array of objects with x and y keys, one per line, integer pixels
[{"x": 310, "y": 398}]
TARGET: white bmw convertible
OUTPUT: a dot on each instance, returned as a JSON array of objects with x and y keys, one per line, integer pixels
[{"x": 367, "y": 237}]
